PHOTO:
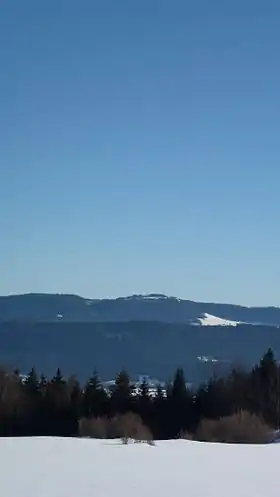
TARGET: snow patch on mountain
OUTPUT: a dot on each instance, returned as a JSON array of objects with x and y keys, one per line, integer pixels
[
  {"x": 209, "y": 320},
  {"x": 203, "y": 358},
  {"x": 151, "y": 296}
]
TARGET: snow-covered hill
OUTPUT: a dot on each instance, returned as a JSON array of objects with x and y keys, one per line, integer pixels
[{"x": 52, "y": 467}]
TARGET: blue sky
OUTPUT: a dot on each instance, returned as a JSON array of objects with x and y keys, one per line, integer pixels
[{"x": 139, "y": 148}]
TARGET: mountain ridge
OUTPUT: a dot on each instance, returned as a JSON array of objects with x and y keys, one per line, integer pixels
[
  {"x": 137, "y": 307},
  {"x": 134, "y": 296}
]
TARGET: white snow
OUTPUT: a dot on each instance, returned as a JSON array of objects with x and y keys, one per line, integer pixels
[
  {"x": 53, "y": 467},
  {"x": 209, "y": 320},
  {"x": 151, "y": 296},
  {"x": 204, "y": 358}
]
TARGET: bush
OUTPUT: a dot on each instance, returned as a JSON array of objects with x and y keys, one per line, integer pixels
[
  {"x": 92, "y": 428},
  {"x": 132, "y": 427},
  {"x": 126, "y": 426},
  {"x": 242, "y": 427},
  {"x": 186, "y": 435}
]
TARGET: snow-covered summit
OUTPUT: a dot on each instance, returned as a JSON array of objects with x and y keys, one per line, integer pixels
[{"x": 151, "y": 296}]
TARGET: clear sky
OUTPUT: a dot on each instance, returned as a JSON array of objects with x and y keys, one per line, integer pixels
[{"x": 140, "y": 147}]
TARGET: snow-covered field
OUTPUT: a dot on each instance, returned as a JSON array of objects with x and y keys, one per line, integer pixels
[{"x": 53, "y": 467}]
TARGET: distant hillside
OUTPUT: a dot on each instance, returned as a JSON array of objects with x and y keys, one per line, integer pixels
[
  {"x": 152, "y": 307},
  {"x": 141, "y": 347}
]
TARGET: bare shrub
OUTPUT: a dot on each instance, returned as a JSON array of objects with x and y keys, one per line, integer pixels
[
  {"x": 13, "y": 402},
  {"x": 242, "y": 427},
  {"x": 114, "y": 428},
  {"x": 186, "y": 435},
  {"x": 127, "y": 427},
  {"x": 93, "y": 427},
  {"x": 132, "y": 427}
]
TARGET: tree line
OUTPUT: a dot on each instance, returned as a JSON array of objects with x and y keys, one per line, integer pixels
[{"x": 37, "y": 406}]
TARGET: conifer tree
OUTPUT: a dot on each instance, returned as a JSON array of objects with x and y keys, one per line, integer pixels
[
  {"x": 144, "y": 399},
  {"x": 57, "y": 391},
  {"x": 159, "y": 393},
  {"x": 43, "y": 384},
  {"x": 269, "y": 394},
  {"x": 179, "y": 402},
  {"x": 31, "y": 386},
  {"x": 58, "y": 378},
  {"x": 144, "y": 389},
  {"x": 95, "y": 398},
  {"x": 121, "y": 393},
  {"x": 169, "y": 389},
  {"x": 179, "y": 390},
  {"x": 75, "y": 393}
]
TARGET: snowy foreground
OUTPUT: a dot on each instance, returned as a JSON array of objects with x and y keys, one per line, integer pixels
[{"x": 52, "y": 467}]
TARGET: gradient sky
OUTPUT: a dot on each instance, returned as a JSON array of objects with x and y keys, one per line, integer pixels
[{"x": 140, "y": 147}]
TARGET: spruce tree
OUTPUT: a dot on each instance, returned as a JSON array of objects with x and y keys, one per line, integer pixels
[
  {"x": 75, "y": 393},
  {"x": 179, "y": 389},
  {"x": 33, "y": 396},
  {"x": 31, "y": 386},
  {"x": 121, "y": 393},
  {"x": 159, "y": 393},
  {"x": 270, "y": 388},
  {"x": 58, "y": 392},
  {"x": 43, "y": 384},
  {"x": 179, "y": 404},
  {"x": 58, "y": 378},
  {"x": 144, "y": 389},
  {"x": 144, "y": 399},
  {"x": 95, "y": 398}
]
